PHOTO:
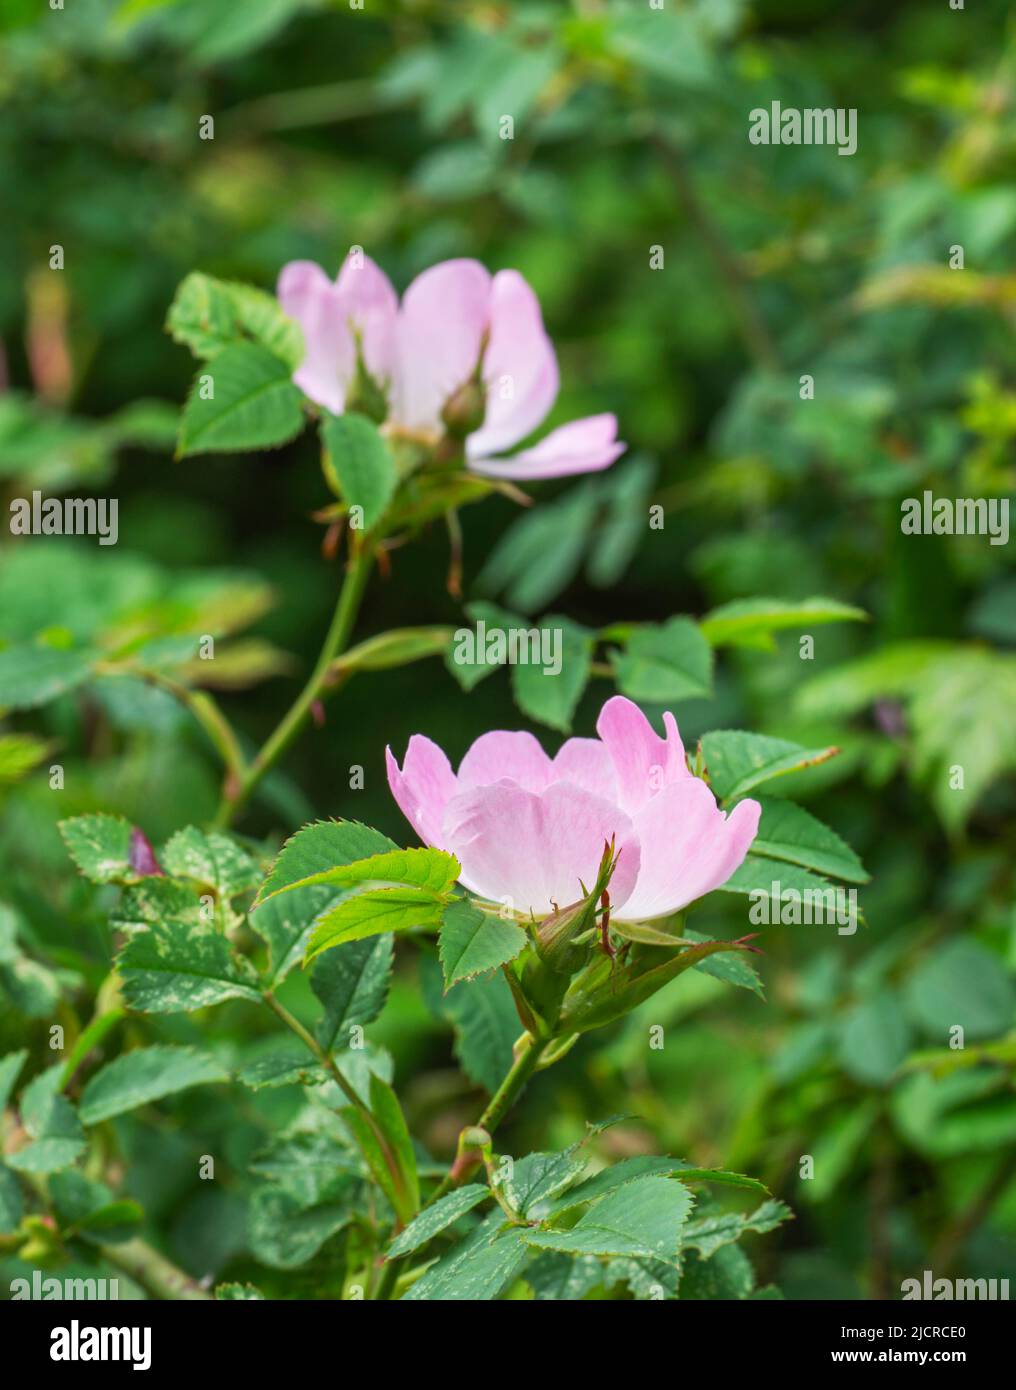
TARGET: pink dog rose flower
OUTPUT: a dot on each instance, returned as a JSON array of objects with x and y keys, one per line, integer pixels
[
  {"x": 527, "y": 828},
  {"x": 465, "y": 353}
]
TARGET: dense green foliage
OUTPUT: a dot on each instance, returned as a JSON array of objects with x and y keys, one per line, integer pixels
[{"x": 690, "y": 281}]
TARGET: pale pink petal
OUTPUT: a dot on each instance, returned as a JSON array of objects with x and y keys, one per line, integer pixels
[
  {"x": 501, "y": 755},
  {"x": 308, "y": 296},
  {"x": 689, "y": 847},
  {"x": 531, "y": 850},
  {"x": 368, "y": 303},
  {"x": 444, "y": 315},
  {"x": 585, "y": 763},
  {"x": 643, "y": 762},
  {"x": 584, "y": 446},
  {"x": 519, "y": 368},
  {"x": 422, "y": 787}
]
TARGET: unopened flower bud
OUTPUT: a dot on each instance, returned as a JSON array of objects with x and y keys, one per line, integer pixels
[{"x": 464, "y": 410}]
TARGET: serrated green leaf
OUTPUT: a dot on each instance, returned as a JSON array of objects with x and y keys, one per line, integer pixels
[
  {"x": 176, "y": 966},
  {"x": 208, "y": 315},
  {"x": 373, "y": 911},
  {"x": 663, "y": 663},
  {"x": 254, "y": 404},
  {"x": 31, "y": 675},
  {"x": 478, "y": 1269},
  {"x": 737, "y": 761},
  {"x": 89, "y": 1208},
  {"x": 531, "y": 1182},
  {"x": 285, "y": 923},
  {"x": 436, "y": 1218},
  {"x": 787, "y": 831},
  {"x": 430, "y": 869},
  {"x": 645, "y": 1218},
  {"x": 794, "y": 894},
  {"x": 473, "y": 941},
  {"x": 351, "y": 982},
  {"x": 212, "y": 859},
  {"x": 710, "y": 1232},
  {"x": 358, "y": 464},
  {"x": 319, "y": 847},
  {"x": 155, "y": 899},
  {"x": 100, "y": 846},
  {"x": 145, "y": 1075}
]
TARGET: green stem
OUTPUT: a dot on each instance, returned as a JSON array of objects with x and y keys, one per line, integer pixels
[
  {"x": 336, "y": 640},
  {"x": 501, "y": 1102},
  {"x": 152, "y": 1270},
  {"x": 328, "y": 1062},
  {"x": 201, "y": 705}
]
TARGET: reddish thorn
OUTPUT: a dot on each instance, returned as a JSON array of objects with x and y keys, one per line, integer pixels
[{"x": 317, "y": 713}]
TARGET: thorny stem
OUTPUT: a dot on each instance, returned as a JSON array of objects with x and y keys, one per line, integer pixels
[{"x": 336, "y": 640}]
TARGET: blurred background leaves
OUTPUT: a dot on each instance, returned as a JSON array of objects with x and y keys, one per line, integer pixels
[{"x": 383, "y": 128}]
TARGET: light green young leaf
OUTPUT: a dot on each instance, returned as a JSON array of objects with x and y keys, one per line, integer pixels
[
  {"x": 244, "y": 399},
  {"x": 430, "y": 869},
  {"x": 358, "y": 465},
  {"x": 437, "y": 1218},
  {"x": 319, "y": 847},
  {"x": 208, "y": 315},
  {"x": 535, "y": 1179},
  {"x": 473, "y": 941},
  {"x": 373, "y": 911},
  {"x": 751, "y": 622},
  {"x": 145, "y": 1075},
  {"x": 20, "y": 754}
]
